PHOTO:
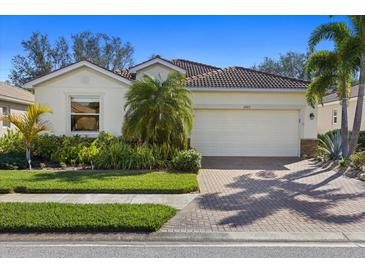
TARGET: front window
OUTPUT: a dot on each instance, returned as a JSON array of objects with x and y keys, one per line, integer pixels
[
  {"x": 334, "y": 117},
  {"x": 85, "y": 114},
  {"x": 6, "y": 111}
]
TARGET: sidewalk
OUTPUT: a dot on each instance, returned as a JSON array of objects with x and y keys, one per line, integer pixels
[{"x": 177, "y": 201}]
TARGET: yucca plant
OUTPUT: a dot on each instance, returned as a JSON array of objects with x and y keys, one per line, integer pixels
[
  {"x": 330, "y": 144},
  {"x": 29, "y": 125}
]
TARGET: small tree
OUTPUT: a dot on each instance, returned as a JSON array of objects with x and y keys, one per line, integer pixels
[{"x": 29, "y": 125}]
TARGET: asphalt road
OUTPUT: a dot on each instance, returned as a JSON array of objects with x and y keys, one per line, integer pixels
[{"x": 168, "y": 250}]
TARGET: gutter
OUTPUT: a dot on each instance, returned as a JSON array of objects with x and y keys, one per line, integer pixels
[{"x": 14, "y": 100}]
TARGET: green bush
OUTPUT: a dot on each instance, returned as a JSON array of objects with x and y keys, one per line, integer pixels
[
  {"x": 13, "y": 160},
  {"x": 70, "y": 149},
  {"x": 88, "y": 154},
  {"x": 12, "y": 142},
  {"x": 361, "y": 141},
  {"x": 187, "y": 160},
  {"x": 46, "y": 145},
  {"x": 358, "y": 159},
  {"x": 120, "y": 155},
  {"x": 105, "y": 152}
]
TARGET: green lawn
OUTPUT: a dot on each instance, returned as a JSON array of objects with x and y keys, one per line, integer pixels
[
  {"x": 96, "y": 182},
  {"x": 56, "y": 217}
]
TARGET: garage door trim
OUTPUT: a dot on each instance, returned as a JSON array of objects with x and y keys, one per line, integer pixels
[{"x": 294, "y": 131}]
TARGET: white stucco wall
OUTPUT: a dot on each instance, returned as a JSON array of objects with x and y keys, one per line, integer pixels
[
  {"x": 154, "y": 71},
  {"x": 56, "y": 93},
  {"x": 15, "y": 108},
  {"x": 261, "y": 100},
  {"x": 325, "y": 116}
]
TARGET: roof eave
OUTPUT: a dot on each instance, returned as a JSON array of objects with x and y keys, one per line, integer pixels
[
  {"x": 15, "y": 100},
  {"x": 288, "y": 90},
  {"x": 156, "y": 60},
  {"x": 72, "y": 67}
]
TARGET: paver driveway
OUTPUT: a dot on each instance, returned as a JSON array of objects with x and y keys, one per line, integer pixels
[{"x": 272, "y": 195}]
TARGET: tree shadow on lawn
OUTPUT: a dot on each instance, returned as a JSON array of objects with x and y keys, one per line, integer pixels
[
  {"x": 83, "y": 176},
  {"x": 260, "y": 198}
]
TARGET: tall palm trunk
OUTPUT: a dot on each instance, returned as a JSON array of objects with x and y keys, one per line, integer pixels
[
  {"x": 344, "y": 124},
  {"x": 28, "y": 155},
  {"x": 359, "y": 105}
]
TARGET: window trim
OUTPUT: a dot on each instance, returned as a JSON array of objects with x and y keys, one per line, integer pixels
[
  {"x": 334, "y": 117},
  {"x": 3, "y": 113},
  {"x": 92, "y": 95}
]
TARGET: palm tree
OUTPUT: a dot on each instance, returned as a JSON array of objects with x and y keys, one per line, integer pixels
[
  {"x": 356, "y": 44},
  {"x": 159, "y": 112},
  {"x": 350, "y": 47},
  {"x": 329, "y": 70},
  {"x": 29, "y": 125}
]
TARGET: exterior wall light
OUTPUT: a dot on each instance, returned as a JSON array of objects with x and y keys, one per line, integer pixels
[{"x": 311, "y": 116}]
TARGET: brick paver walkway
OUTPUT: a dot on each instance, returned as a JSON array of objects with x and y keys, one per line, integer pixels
[{"x": 272, "y": 195}]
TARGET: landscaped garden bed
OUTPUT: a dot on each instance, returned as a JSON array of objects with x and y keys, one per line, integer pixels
[
  {"x": 57, "y": 217},
  {"x": 88, "y": 181}
]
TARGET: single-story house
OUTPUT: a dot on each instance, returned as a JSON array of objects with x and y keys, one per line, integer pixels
[
  {"x": 330, "y": 114},
  {"x": 237, "y": 111},
  {"x": 13, "y": 100}
]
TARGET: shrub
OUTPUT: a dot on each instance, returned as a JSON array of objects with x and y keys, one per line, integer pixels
[
  {"x": 44, "y": 146},
  {"x": 88, "y": 154},
  {"x": 13, "y": 160},
  {"x": 120, "y": 155},
  {"x": 105, "y": 139},
  {"x": 70, "y": 149},
  {"x": 342, "y": 162},
  {"x": 358, "y": 159},
  {"x": 105, "y": 152},
  {"x": 187, "y": 160},
  {"x": 361, "y": 141},
  {"x": 12, "y": 142},
  {"x": 330, "y": 144}
]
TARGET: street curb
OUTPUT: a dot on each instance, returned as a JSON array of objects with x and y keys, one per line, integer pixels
[{"x": 300, "y": 237}]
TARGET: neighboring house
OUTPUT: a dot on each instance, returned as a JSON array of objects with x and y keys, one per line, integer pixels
[
  {"x": 237, "y": 111},
  {"x": 13, "y": 100},
  {"x": 329, "y": 114}
]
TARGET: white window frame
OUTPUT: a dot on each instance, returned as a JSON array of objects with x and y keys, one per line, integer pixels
[
  {"x": 8, "y": 126},
  {"x": 90, "y": 98},
  {"x": 334, "y": 117}
]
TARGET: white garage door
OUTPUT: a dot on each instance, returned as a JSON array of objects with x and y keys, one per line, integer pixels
[{"x": 246, "y": 132}]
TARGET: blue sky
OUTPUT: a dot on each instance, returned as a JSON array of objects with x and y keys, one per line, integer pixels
[{"x": 216, "y": 40}]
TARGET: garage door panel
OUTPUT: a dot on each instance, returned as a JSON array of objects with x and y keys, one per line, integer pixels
[{"x": 246, "y": 132}]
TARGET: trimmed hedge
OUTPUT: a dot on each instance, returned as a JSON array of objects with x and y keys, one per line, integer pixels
[
  {"x": 187, "y": 160},
  {"x": 58, "y": 217}
]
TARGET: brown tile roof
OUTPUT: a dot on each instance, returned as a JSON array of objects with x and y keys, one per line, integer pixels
[
  {"x": 333, "y": 96},
  {"x": 126, "y": 74},
  {"x": 193, "y": 68},
  {"x": 238, "y": 77},
  {"x": 202, "y": 75},
  {"x": 12, "y": 92}
]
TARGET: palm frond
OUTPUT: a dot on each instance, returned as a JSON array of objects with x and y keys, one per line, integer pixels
[
  {"x": 331, "y": 31},
  {"x": 159, "y": 111},
  {"x": 317, "y": 89},
  {"x": 322, "y": 62}
]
